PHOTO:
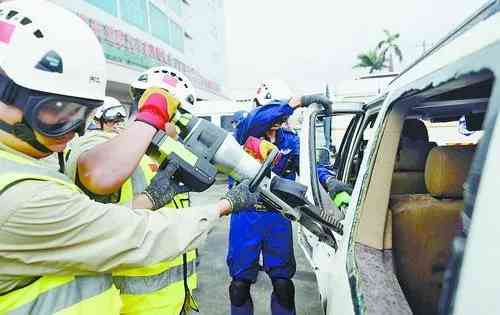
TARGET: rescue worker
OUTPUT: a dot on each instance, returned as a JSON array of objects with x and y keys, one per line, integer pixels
[
  {"x": 110, "y": 116},
  {"x": 255, "y": 231},
  {"x": 174, "y": 279},
  {"x": 58, "y": 247}
]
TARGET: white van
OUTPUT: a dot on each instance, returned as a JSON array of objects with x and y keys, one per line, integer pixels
[{"x": 395, "y": 239}]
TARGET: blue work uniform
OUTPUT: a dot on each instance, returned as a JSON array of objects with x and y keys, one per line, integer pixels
[
  {"x": 324, "y": 173},
  {"x": 267, "y": 232},
  {"x": 254, "y": 231}
]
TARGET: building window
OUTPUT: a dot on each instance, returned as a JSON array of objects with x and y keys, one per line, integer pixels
[
  {"x": 160, "y": 24},
  {"x": 177, "y": 36},
  {"x": 134, "y": 12},
  {"x": 176, "y": 6},
  {"x": 106, "y": 5}
]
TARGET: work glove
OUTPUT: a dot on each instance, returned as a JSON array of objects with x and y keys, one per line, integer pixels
[
  {"x": 259, "y": 149},
  {"x": 320, "y": 99},
  {"x": 335, "y": 186},
  {"x": 339, "y": 191},
  {"x": 240, "y": 196},
  {"x": 163, "y": 187},
  {"x": 156, "y": 107}
]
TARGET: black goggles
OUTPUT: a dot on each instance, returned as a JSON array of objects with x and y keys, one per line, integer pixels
[{"x": 52, "y": 115}]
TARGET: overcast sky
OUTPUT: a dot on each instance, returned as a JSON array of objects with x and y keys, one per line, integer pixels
[{"x": 309, "y": 43}]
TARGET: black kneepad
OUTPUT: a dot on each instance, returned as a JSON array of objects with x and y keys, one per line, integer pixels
[
  {"x": 239, "y": 292},
  {"x": 285, "y": 292}
]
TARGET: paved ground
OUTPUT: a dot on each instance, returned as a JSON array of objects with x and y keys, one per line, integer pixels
[{"x": 214, "y": 279}]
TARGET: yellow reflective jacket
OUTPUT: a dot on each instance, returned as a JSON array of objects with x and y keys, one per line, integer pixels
[
  {"x": 162, "y": 288},
  {"x": 63, "y": 295}
]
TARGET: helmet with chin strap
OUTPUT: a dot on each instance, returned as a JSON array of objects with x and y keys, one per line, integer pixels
[
  {"x": 111, "y": 110},
  {"x": 166, "y": 78},
  {"x": 44, "y": 71}
]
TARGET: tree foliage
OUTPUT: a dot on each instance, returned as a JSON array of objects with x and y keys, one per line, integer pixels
[
  {"x": 381, "y": 56},
  {"x": 372, "y": 59},
  {"x": 388, "y": 46}
]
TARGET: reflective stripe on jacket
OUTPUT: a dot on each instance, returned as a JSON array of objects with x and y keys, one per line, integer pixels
[
  {"x": 68, "y": 295},
  {"x": 163, "y": 287}
]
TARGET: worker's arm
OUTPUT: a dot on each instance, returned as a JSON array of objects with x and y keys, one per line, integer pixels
[
  {"x": 104, "y": 168},
  {"x": 261, "y": 119},
  {"x": 324, "y": 174},
  {"x": 47, "y": 229}
]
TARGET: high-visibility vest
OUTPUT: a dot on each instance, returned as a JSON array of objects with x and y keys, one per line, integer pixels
[
  {"x": 162, "y": 288},
  {"x": 52, "y": 294}
]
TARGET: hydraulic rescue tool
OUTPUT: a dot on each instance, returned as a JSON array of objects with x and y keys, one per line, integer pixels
[{"x": 203, "y": 150}]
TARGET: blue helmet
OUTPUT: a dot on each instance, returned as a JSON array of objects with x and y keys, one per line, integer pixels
[{"x": 238, "y": 117}]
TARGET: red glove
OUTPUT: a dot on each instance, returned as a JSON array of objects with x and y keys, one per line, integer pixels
[
  {"x": 156, "y": 107},
  {"x": 259, "y": 148}
]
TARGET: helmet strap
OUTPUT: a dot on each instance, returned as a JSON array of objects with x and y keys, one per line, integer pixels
[
  {"x": 23, "y": 131},
  {"x": 62, "y": 166}
]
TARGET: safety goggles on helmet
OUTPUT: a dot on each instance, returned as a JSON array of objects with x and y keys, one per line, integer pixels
[
  {"x": 114, "y": 114},
  {"x": 52, "y": 115}
]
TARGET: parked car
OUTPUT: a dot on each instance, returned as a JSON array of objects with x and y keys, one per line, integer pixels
[{"x": 395, "y": 240}]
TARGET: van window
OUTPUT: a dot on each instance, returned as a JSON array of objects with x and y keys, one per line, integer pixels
[
  {"x": 206, "y": 118},
  {"x": 367, "y": 134},
  {"x": 328, "y": 140},
  {"x": 451, "y": 133}
]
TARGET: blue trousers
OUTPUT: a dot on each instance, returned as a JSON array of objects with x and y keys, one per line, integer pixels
[
  {"x": 254, "y": 232},
  {"x": 251, "y": 234}
]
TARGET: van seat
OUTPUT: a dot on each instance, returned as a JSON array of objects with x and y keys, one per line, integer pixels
[
  {"x": 408, "y": 176},
  {"x": 424, "y": 226}
]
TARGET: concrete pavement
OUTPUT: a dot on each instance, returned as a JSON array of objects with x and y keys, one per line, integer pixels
[{"x": 214, "y": 280}]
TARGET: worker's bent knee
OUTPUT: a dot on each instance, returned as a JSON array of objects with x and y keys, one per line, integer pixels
[
  {"x": 239, "y": 292},
  {"x": 284, "y": 291}
]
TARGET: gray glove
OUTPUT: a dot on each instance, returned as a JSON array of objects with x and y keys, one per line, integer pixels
[
  {"x": 163, "y": 188},
  {"x": 241, "y": 197},
  {"x": 335, "y": 186},
  {"x": 320, "y": 99}
]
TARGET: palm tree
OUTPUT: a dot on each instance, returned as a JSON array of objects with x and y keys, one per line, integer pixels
[
  {"x": 371, "y": 59},
  {"x": 389, "y": 45}
]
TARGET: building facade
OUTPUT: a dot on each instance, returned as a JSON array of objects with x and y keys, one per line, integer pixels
[{"x": 138, "y": 34}]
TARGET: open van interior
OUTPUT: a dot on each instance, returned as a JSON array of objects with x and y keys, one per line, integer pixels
[
  {"x": 416, "y": 156},
  {"x": 412, "y": 208}
]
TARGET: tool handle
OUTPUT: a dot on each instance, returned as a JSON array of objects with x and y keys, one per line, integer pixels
[{"x": 265, "y": 170}]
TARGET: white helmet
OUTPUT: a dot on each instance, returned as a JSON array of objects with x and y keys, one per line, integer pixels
[
  {"x": 112, "y": 109},
  {"x": 47, "y": 74},
  {"x": 46, "y": 48},
  {"x": 166, "y": 78},
  {"x": 272, "y": 90}
]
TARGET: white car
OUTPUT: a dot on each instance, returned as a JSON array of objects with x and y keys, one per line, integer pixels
[{"x": 409, "y": 165}]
